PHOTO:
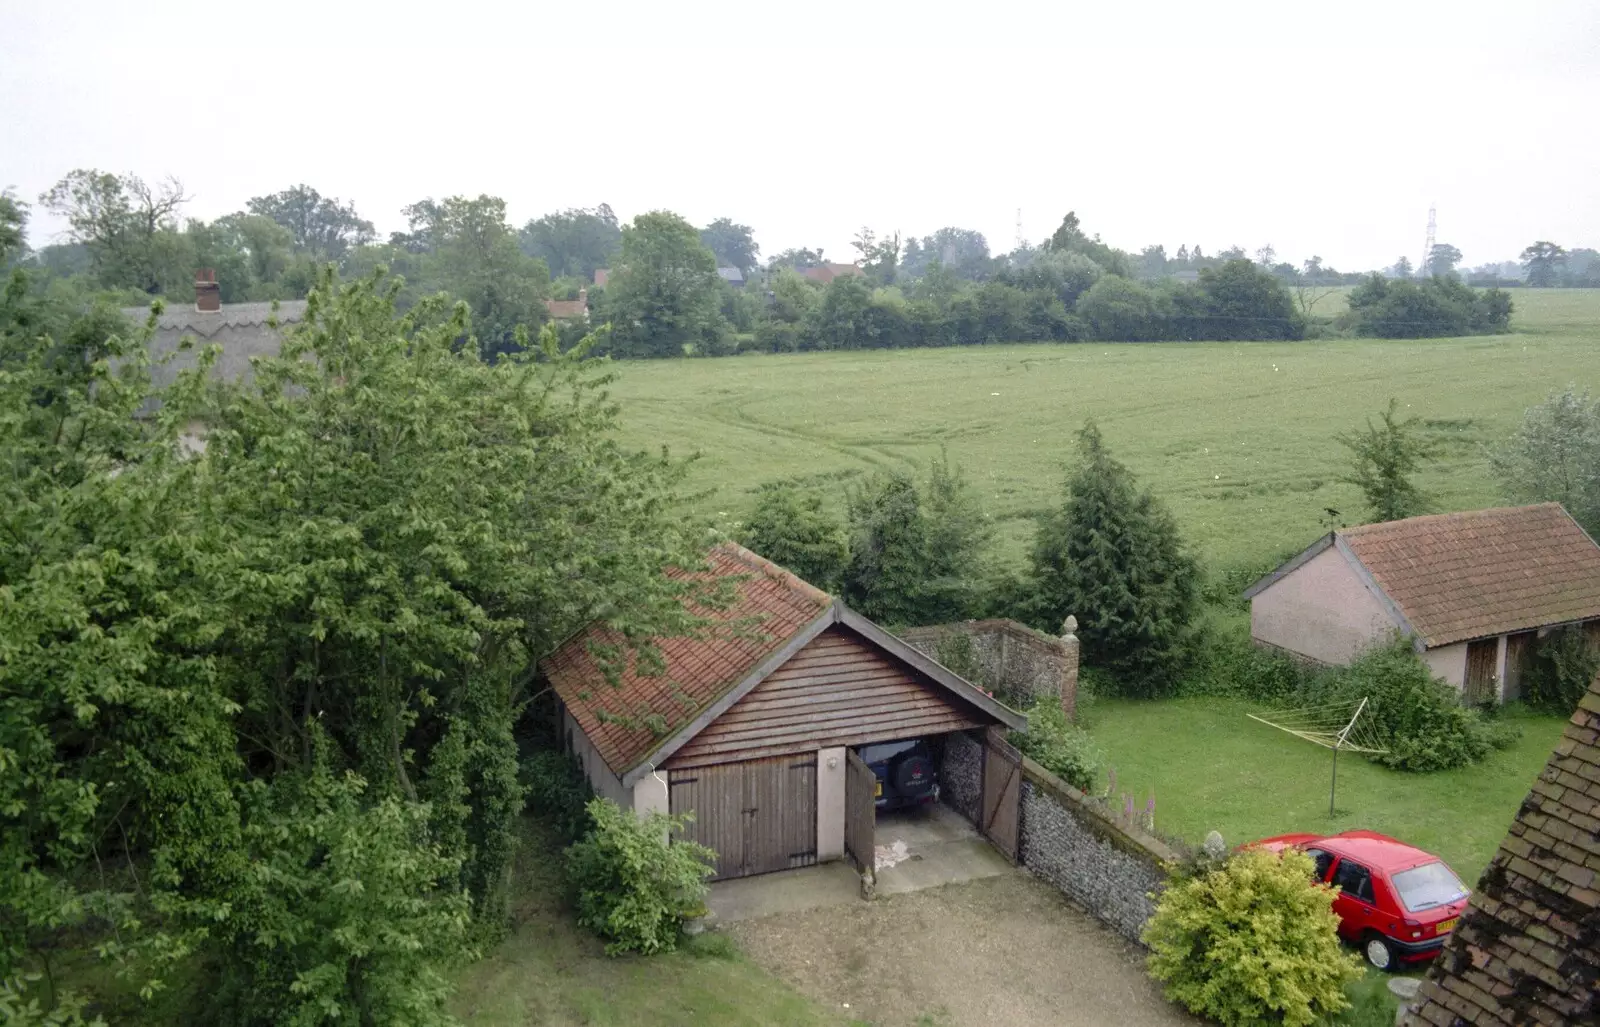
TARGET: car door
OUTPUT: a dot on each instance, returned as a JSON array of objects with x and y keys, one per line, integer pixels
[
  {"x": 1323, "y": 859},
  {"x": 1356, "y": 901}
]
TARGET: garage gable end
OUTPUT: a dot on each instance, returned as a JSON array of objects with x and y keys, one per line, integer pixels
[{"x": 842, "y": 688}]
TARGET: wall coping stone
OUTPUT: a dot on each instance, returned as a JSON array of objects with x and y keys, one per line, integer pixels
[{"x": 1100, "y": 822}]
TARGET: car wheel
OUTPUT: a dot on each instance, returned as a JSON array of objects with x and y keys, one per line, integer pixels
[{"x": 1378, "y": 952}]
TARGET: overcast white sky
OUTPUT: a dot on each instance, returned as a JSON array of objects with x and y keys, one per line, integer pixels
[{"x": 1322, "y": 128}]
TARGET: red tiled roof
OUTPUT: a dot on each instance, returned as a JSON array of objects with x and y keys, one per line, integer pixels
[
  {"x": 1527, "y": 950},
  {"x": 825, "y": 273},
  {"x": 1469, "y": 575},
  {"x": 699, "y": 670},
  {"x": 561, "y": 309}
]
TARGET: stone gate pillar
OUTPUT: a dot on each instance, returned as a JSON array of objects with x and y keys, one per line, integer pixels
[{"x": 1069, "y": 667}]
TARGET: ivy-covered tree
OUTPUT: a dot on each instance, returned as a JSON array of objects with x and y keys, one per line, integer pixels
[
  {"x": 1112, "y": 557},
  {"x": 240, "y": 675},
  {"x": 791, "y": 527}
]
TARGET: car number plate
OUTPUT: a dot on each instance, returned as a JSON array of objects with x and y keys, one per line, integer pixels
[
  {"x": 1446, "y": 926},
  {"x": 877, "y": 789}
]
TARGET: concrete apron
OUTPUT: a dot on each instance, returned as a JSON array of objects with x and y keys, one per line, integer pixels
[{"x": 918, "y": 848}]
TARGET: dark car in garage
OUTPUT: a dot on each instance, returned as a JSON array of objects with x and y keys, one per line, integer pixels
[{"x": 906, "y": 772}]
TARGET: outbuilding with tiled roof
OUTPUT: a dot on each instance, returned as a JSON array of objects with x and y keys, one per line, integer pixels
[
  {"x": 747, "y": 723},
  {"x": 1474, "y": 590}
]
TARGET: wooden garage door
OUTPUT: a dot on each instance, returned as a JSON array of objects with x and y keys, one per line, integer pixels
[
  {"x": 757, "y": 815},
  {"x": 1481, "y": 685}
]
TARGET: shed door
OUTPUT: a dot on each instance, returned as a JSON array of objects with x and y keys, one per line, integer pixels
[
  {"x": 1480, "y": 686},
  {"x": 757, "y": 815}
]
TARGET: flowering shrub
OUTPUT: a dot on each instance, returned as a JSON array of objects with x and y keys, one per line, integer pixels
[{"x": 1252, "y": 941}]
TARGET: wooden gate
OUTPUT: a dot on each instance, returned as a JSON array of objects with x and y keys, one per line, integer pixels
[
  {"x": 1481, "y": 685},
  {"x": 1519, "y": 653},
  {"x": 1000, "y": 812},
  {"x": 860, "y": 813},
  {"x": 757, "y": 815}
]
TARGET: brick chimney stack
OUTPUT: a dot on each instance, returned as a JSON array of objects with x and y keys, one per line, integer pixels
[{"x": 207, "y": 293}]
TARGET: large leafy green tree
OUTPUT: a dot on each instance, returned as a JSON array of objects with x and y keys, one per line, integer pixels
[
  {"x": 962, "y": 251},
  {"x": 734, "y": 245},
  {"x": 319, "y": 226},
  {"x": 665, "y": 294},
  {"x": 1442, "y": 260},
  {"x": 472, "y": 254},
  {"x": 1543, "y": 261},
  {"x": 1244, "y": 301},
  {"x": 1112, "y": 557},
  {"x": 1120, "y": 309},
  {"x": 1071, "y": 238},
  {"x": 122, "y": 221},
  {"x": 13, "y": 227},
  {"x": 1554, "y": 456},
  {"x": 241, "y": 674},
  {"x": 573, "y": 242}
]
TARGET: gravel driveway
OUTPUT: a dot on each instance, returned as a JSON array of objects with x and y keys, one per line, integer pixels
[{"x": 1003, "y": 950}]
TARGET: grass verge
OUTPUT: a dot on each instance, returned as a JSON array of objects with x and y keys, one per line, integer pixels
[
  {"x": 1212, "y": 768},
  {"x": 551, "y": 972}
]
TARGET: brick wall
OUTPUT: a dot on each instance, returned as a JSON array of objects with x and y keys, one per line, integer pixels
[
  {"x": 1021, "y": 664},
  {"x": 1109, "y": 869}
]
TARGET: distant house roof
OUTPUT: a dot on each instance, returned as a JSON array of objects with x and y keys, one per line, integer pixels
[
  {"x": 705, "y": 674},
  {"x": 731, "y": 275},
  {"x": 825, "y": 273},
  {"x": 602, "y": 275},
  {"x": 562, "y": 310},
  {"x": 1459, "y": 576},
  {"x": 242, "y": 330},
  {"x": 1527, "y": 950}
]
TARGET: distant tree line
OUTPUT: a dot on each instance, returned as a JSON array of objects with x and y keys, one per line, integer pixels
[{"x": 669, "y": 290}]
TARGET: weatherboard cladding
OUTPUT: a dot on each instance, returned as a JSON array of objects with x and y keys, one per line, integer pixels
[
  {"x": 1470, "y": 575},
  {"x": 1527, "y": 950},
  {"x": 839, "y": 689},
  {"x": 699, "y": 670}
]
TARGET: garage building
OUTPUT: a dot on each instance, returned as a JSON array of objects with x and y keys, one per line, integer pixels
[
  {"x": 751, "y": 727},
  {"x": 1475, "y": 591}
]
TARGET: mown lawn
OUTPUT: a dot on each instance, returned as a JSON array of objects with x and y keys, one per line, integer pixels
[
  {"x": 1213, "y": 768},
  {"x": 1237, "y": 437},
  {"x": 551, "y": 972}
]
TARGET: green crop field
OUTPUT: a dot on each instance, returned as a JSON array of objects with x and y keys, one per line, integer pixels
[{"x": 1237, "y": 437}]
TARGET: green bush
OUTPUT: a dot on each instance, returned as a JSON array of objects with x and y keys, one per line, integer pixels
[
  {"x": 1227, "y": 663},
  {"x": 558, "y": 794},
  {"x": 1059, "y": 746},
  {"x": 1564, "y": 663},
  {"x": 1252, "y": 942},
  {"x": 1416, "y": 717},
  {"x": 633, "y": 885}
]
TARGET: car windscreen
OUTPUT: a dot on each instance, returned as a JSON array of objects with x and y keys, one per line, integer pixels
[
  {"x": 1427, "y": 886},
  {"x": 883, "y": 750}
]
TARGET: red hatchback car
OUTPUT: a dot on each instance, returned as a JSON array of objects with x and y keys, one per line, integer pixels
[{"x": 1396, "y": 902}]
